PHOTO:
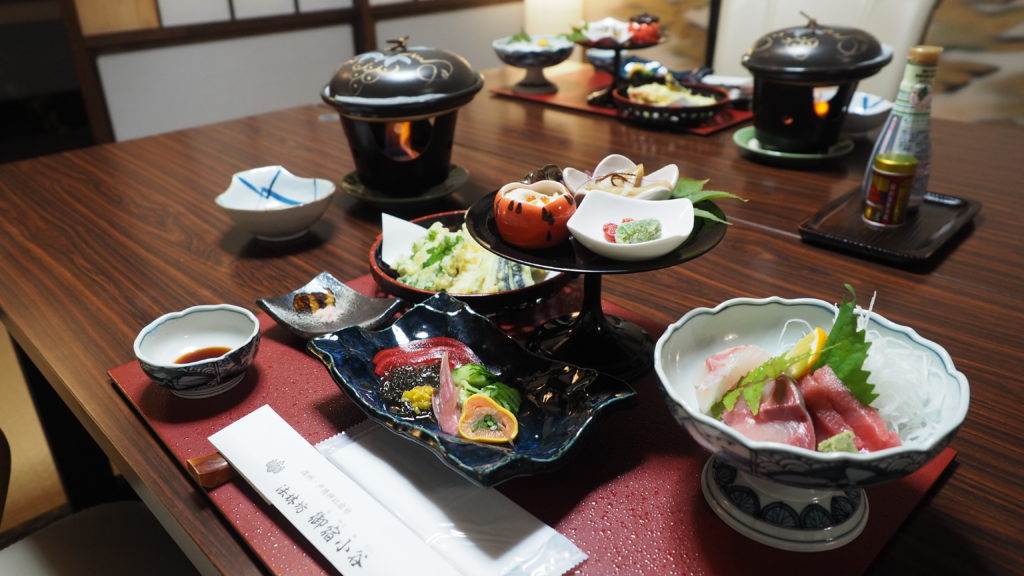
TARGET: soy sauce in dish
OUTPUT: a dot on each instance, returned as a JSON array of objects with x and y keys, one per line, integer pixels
[{"x": 202, "y": 354}]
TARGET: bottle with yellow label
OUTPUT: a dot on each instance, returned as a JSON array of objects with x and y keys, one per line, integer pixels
[{"x": 907, "y": 129}]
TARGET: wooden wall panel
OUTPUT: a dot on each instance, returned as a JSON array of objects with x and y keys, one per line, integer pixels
[{"x": 107, "y": 16}]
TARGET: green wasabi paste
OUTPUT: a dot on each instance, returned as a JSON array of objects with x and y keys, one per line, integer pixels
[
  {"x": 637, "y": 231},
  {"x": 842, "y": 442}
]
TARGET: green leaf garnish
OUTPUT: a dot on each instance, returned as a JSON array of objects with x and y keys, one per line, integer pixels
[
  {"x": 693, "y": 190},
  {"x": 751, "y": 386},
  {"x": 441, "y": 250},
  {"x": 472, "y": 379},
  {"x": 845, "y": 351},
  {"x": 522, "y": 36}
]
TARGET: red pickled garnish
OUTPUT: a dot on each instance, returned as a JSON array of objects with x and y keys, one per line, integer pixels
[{"x": 611, "y": 227}]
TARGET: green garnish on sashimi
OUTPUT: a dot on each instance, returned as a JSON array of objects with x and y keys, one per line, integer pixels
[
  {"x": 845, "y": 351},
  {"x": 751, "y": 386}
]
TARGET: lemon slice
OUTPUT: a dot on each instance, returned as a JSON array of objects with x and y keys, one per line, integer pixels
[{"x": 807, "y": 350}]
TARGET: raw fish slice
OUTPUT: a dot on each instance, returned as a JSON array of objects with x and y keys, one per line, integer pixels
[
  {"x": 782, "y": 416},
  {"x": 446, "y": 402},
  {"x": 722, "y": 371},
  {"x": 834, "y": 409}
]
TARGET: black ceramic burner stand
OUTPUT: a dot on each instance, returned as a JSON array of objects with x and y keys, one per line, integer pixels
[{"x": 595, "y": 340}]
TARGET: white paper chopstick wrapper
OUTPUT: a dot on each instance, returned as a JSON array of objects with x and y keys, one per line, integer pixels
[
  {"x": 477, "y": 530},
  {"x": 350, "y": 528}
]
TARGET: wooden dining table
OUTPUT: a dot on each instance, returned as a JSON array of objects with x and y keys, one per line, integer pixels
[{"x": 98, "y": 242}]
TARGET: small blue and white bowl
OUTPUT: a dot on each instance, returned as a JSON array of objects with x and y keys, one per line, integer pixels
[
  {"x": 227, "y": 336},
  {"x": 273, "y": 204}
]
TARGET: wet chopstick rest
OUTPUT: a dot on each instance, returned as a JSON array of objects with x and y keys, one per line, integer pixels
[{"x": 352, "y": 530}]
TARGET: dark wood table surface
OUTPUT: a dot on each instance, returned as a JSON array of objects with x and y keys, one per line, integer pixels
[{"x": 97, "y": 242}]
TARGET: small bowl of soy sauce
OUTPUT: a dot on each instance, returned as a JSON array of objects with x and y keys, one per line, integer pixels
[{"x": 201, "y": 351}]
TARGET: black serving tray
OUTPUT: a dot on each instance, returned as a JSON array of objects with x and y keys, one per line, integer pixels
[{"x": 917, "y": 242}]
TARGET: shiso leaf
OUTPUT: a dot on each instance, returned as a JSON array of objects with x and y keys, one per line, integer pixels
[{"x": 846, "y": 350}]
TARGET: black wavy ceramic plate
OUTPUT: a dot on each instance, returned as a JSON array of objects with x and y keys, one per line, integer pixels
[
  {"x": 560, "y": 401},
  {"x": 387, "y": 278}
]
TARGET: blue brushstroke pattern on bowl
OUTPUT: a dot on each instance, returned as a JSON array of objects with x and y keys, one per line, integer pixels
[
  {"x": 273, "y": 204},
  {"x": 169, "y": 337},
  {"x": 560, "y": 401}
]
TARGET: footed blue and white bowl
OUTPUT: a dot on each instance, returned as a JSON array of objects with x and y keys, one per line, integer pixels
[
  {"x": 273, "y": 204},
  {"x": 201, "y": 351},
  {"x": 791, "y": 497}
]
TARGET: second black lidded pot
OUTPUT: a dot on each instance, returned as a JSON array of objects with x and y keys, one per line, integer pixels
[
  {"x": 789, "y": 65},
  {"x": 398, "y": 109}
]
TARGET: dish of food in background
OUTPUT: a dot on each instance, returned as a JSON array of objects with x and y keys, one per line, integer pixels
[
  {"x": 524, "y": 50},
  {"x": 509, "y": 284},
  {"x": 669, "y": 104},
  {"x": 534, "y": 53},
  {"x": 606, "y": 32},
  {"x": 273, "y": 204},
  {"x": 673, "y": 219},
  {"x": 610, "y": 33},
  {"x": 921, "y": 394},
  {"x": 746, "y": 138},
  {"x": 201, "y": 351},
  {"x": 326, "y": 304},
  {"x": 560, "y": 402},
  {"x": 619, "y": 175}
]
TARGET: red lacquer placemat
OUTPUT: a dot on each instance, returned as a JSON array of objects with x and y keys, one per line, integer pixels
[
  {"x": 629, "y": 497},
  {"x": 575, "y": 85}
]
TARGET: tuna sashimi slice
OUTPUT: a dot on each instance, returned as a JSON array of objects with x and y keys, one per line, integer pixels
[
  {"x": 833, "y": 409},
  {"x": 722, "y": 371},
  {"x": 446, "y": 401},
  {"x": 781, "y": 417}
]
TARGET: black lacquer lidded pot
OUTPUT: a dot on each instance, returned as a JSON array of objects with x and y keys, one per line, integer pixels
[
  {"x": 398, "y": 108},
  {"x": 804, "y": 78}
]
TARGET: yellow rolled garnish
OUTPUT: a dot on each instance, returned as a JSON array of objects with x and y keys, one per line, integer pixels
[{"x": 484, "y": 420}]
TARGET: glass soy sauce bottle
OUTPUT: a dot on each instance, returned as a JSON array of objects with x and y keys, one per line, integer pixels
[{"x": 907, "y": 129}]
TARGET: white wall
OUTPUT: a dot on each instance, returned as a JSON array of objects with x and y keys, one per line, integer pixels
[
  {"x": 469, "y": 33},
  {"x": 163, "y": 89}
]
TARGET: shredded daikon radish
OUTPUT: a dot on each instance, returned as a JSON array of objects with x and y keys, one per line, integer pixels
[
  {"x": 787, "y": 338},
  {"x": 909, "y": 387}
]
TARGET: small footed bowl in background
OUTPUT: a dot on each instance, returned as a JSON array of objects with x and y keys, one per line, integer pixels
[
  {"x": 533, "y": 54},
  {"x": 273, "y": 204},
  {"x": 220, "y": 339},
  {"x": 542, "y": 50},
  {"x": 600, "y": 208}
]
